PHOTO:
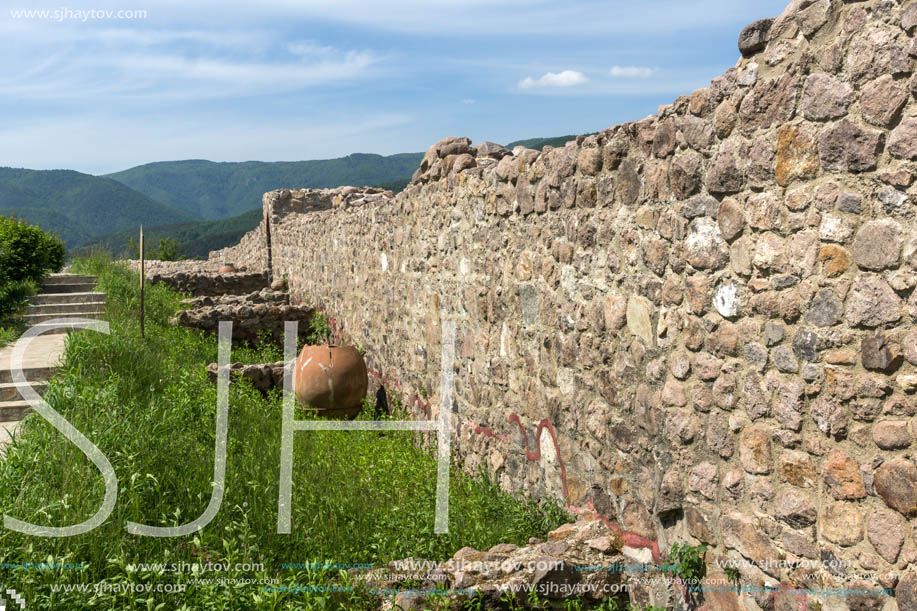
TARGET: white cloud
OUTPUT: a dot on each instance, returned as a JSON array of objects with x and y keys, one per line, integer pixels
[
  {"x": 567, "y": 78},
  {"x": 468, "y": 101},
  {"x": 631, "y": 72},
  {"x": 109, "y": 64},
  {"x": 310, "y": 48}
]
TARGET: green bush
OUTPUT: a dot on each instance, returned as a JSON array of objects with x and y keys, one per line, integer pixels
[
  {"x": 14, "y": 296},
  {"x": 27, "y": 252}
]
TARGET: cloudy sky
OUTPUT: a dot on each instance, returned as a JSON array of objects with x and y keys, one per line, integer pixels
[{"x": 308, "y": 79}]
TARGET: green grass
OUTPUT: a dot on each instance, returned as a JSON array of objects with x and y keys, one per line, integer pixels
[
  {"x": 358, "y": 497},
  {"x": 10, "y": 330},
  {"x": 14, "y": 302}
]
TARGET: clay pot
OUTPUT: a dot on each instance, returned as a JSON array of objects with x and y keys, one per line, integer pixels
[
  {"x": 227, "y": 268},
  {"x": 331, "y": 380}
]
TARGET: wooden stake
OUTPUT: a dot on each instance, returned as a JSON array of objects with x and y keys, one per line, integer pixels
[{"x": 142, "y": 280}]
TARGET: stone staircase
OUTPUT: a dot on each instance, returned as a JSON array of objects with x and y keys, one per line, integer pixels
[
  {"x": 61, "y": 296},
  {"x": 65, "y": 295}
]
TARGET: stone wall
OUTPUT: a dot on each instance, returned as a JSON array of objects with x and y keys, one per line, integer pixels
[
  {"x": 213, "y": 284},
  {"x": 154, "y": 266},
  {"x": 202, "y": 278},
  {"x": 700, "y": 323}
]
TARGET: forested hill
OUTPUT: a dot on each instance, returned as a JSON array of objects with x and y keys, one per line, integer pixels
[
  {"x": 219, "y": 190},
  {"x": 80, "y": 206}
]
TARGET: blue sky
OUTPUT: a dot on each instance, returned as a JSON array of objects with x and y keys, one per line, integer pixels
[{"x": 306, "y": 79}]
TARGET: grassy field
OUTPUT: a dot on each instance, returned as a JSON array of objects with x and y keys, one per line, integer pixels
[{"x": 358, "y": 497}]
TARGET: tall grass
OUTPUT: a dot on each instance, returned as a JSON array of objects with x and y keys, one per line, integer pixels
[{"x": 358, "y": 497}]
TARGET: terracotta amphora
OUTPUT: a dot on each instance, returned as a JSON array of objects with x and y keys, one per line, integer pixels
[{"x": 331, "y": 380}]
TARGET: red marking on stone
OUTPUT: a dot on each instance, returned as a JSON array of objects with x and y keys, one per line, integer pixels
[
  {"x": 414, "y": 401},
  {"x": 529, "y": 454},
  {"x": 536, "y": 455},
  {"x": 385, "y": 381},
  {"x": 630, "y": 539},
  {"x": 418, "y": 402},
  {"x": 487, "y": 432}
]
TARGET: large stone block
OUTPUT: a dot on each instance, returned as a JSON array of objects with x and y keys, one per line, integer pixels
[
  {"x": 842, "y": 476},
  {"x": 882, "y": 100},
  {"x": 741, "y": 534},
  {"x": 769, "y": 101},
  {"x": 903, "y": 140},
  {"x": 797, "y": 154},
  {"x": 825, "y": 97},
  {"x": 871, "y": 302},
  {"x": 847, "y": 147},
  {"x": 640, "y": 318},
  {"x": 754, "y": 37},
  {"x": 896, "y": 483}
]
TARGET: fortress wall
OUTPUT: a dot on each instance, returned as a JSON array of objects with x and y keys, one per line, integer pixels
[{"x": 700, "y": 323}]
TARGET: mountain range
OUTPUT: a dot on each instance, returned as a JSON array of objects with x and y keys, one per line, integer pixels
[
  {"x": 78, "y": 206},
  {"x": 220, "y": 190},
  {"x": 202, "y": 205}
]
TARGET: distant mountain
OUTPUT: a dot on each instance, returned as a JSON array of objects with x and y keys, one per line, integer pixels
[
  {"x": 213, "y": 190},
  {"x": 79, "y": 206},
  {"x": 171, "y": 198},
  {"x": 195, "y": 239},
  {"x": 539, "y": 143}
]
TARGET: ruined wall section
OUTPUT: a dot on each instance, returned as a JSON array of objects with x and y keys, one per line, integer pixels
[{"x": 701, "y": 323}]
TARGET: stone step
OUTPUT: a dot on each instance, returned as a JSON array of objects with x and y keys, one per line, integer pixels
[
  {"x": 71, "y": 309},
  {"x": 59, "y": 298},
  {"x": 10, "y": 392},
  {"x": 72, "y": 287},
  {"x": 54, "y": 329},
  {"x": 32, "y": 374},
  {"x": 36, "y": 319},
  {"x": 13, "y": 410},
  {"x": 55, "y": 279}
]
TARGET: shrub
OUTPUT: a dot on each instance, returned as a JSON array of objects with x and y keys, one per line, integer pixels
[
  {"x": 14, "y": 296},
  {"x": 26, "y": 252},
  {"x": 320, "y": 329},
  {"x": 168, "y": 250}
]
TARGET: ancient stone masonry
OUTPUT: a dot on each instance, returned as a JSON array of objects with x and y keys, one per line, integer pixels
[
  {"x": 577, "y": 560},
  {"x": 252, "y": 249},
  {"x": 699, "y": 323},
  {"x": 262, "y": 376},
  {"x": 205, "y": 282},
  {"x": 253, "y": 315},
  {"x": 155, "y": 267}
]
